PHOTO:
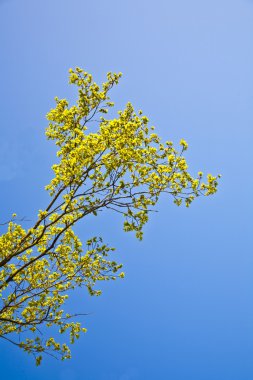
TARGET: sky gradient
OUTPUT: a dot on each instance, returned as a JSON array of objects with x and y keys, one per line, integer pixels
[{"x": 185, "y": 309}]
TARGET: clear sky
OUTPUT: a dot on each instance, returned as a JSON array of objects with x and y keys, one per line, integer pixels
[{"x": 185, "y": 309}]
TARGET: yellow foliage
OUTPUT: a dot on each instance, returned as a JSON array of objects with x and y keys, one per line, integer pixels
[{"x": 118, "y": 164}]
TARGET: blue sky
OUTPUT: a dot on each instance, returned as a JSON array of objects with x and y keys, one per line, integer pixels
[{"x": 185, "y": 308}]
